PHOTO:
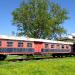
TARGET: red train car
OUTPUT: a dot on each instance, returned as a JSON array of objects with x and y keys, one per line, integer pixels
[{"x": 22, "y": 45}]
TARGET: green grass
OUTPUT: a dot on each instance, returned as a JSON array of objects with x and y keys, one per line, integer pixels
[{"x": 58, "y": 66}]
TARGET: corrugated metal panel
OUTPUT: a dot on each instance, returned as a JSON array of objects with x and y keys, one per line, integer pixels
[
  {"x": 56, "y": 50},
  {"x": 9, "y": 50}
]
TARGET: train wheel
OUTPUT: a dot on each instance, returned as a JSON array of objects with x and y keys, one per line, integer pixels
[
  {"x": 53, "y": 55},
  {"x": 2, "y": 57},
  {"x": 61, "y": 55}
]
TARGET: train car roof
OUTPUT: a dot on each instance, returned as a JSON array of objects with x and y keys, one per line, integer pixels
[{"x": 32, "y": 39}]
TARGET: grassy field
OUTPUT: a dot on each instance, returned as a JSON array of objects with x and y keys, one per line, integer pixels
[{"x": 58, "y": 66}]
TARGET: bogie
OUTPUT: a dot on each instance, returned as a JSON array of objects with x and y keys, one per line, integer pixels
[{"x": 3, "y": 57}]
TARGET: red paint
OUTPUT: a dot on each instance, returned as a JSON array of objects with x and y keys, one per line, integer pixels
[
  {"x": 15, "y": 44},
  {"x": 38, "y": 46},
  {"x": 3, "y": 44},
  {"x": 24, "y": 44}
]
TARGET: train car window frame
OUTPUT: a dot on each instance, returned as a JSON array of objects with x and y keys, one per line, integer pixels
[
  {"x": 46, "y": 45},
  {"x": 57, "y": 45},
  {"x": 9, "y": 43},
  {"x": 67, "y": 47},
  {"x": 52, "y": 45},
  {"x": 20, "y": 43},
  {"x": 62, "y": 46},
  {"x": 0, "y": 43},
  {"x": 29, "y": 44}
]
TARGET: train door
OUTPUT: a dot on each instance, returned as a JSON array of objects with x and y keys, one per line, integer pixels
[{"x": 38, "y": 46}]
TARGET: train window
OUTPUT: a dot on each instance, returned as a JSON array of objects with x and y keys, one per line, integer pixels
[
  {"x": 0, "y": 43},
  {"x": 52, "y": 45},
  {"x": 9, "y": 43},
  {"x": 58, "y": 45},
  {"x": 20, "y": 43},
  {"x": 46, "y": 45},
  {"x": 62, "y": 46},
  {"x": 29, "y": 44},
  {"x": 67, "y": 46}
]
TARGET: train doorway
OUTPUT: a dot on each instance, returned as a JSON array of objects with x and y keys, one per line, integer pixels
[{"x": 38, "y": 46}]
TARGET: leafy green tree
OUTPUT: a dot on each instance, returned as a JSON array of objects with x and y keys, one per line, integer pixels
[{"x": 40, "y": 19}]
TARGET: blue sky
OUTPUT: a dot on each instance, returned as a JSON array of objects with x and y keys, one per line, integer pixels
[{"x": 7, "y": 6}]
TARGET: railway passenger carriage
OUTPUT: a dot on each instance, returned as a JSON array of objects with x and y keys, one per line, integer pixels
[{"x": 22, "y": 45}]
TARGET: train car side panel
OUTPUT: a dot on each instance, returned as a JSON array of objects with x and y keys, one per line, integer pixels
[{"x": 38, "y": 46}]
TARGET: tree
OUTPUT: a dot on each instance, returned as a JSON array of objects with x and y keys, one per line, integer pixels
[{"x": 40, "y": 19}]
